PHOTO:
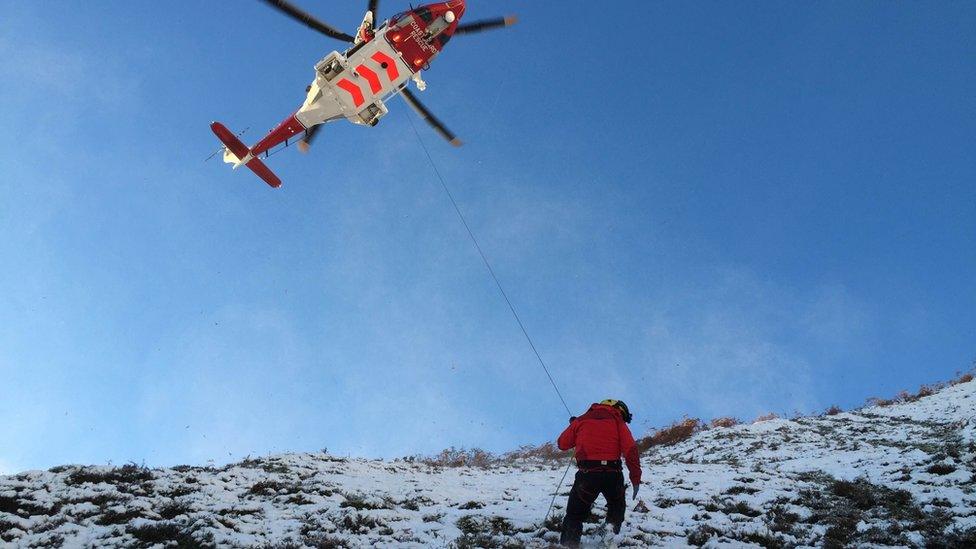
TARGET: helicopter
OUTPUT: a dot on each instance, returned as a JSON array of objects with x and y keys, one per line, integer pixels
[{"x": 354, "y": 85}]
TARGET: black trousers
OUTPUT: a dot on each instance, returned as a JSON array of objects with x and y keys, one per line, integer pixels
[{"x": 588, "y": 486}]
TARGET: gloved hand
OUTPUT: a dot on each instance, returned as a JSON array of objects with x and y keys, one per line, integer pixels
[
  {"x": 572, "y": 419},
  {"x": 636, "y": 488}
]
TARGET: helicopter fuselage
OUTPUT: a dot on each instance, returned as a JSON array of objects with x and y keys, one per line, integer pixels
[{"x": 353, "y": 85}]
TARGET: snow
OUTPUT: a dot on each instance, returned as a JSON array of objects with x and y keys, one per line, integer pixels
[{"x": 727, "y": 487}]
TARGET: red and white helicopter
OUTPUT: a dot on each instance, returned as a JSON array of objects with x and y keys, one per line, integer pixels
[{"x": 353, "y": 85}]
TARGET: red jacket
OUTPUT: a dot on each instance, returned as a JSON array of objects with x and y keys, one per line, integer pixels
[{"x": 601, "y": 434}]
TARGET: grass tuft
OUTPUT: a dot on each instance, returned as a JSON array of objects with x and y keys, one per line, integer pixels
[{"x": 127, "y": 474}]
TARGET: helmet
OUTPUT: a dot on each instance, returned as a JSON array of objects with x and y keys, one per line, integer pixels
[{"x": 620, "y": 405}]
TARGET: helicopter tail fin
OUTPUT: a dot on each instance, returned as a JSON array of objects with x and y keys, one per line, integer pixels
[{"x": 238, "y": 154}]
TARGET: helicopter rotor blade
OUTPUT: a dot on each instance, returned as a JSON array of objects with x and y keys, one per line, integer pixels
[
  {"x": 486, "y": 24},
  {"x": 372, "y": 7},
  {"x": 429, "y": 117},
  {"x": 308, "y": 20}
]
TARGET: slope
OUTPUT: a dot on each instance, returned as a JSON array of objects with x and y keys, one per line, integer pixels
[{"x": 895, "y": 475}]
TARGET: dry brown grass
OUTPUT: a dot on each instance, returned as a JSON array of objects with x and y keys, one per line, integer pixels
[
  {"x": 875, "y": 401},
  {"x": 461, "y": 457},
  {"x": 543, "y": 452},
  {"x": 766, "y": 417},
  {"x": 678, "y": 431},
  {"x": 476, "y": 457},
  {"x": 833, "y": 411},
  {"x": 964, "y": 378},
  {"x": 723, "y": 422},
  {"x": 923, "y": 391}
]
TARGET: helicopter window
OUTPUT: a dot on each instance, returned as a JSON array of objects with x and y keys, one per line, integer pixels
[
  {"x": 401, "y": 20},
  {"x": 425, "y": 14}
]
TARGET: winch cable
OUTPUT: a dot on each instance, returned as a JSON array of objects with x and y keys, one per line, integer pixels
[
  {"x": 484, "y": 258},
  {"x": 556, "y": 491},
  {"x": 501, "y": 290}
]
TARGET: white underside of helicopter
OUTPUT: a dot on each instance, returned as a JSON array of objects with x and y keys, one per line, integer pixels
[
  {"x": 328, "y": 100},
  {"x": 330, "y": 96}
]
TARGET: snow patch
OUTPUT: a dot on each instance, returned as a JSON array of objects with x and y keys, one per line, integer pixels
[{"x": 894, "y": 475}]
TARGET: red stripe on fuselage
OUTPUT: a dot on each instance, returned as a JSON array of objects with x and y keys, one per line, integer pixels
[
  {"x": 374, "y": 80},
  {"x": 353, "y": 90},
  {"x": 392, "y": 72}
]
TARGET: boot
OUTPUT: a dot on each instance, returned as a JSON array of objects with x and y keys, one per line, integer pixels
[{"x": 571, "y": 534}]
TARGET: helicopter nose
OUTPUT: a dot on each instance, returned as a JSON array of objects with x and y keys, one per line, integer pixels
[{"x": 456, "y": 7}]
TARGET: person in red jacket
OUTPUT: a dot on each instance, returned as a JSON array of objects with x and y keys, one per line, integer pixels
[{"x": 600, "y": 437}]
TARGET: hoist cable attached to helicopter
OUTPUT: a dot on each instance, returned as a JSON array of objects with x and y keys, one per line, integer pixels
[{"x": 353, "y": 85}]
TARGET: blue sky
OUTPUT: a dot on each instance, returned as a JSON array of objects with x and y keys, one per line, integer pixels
[{"x": 708, "y": 209}]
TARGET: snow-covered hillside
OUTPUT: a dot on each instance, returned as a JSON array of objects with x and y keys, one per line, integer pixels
[{"x": 903, "y": 474}]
